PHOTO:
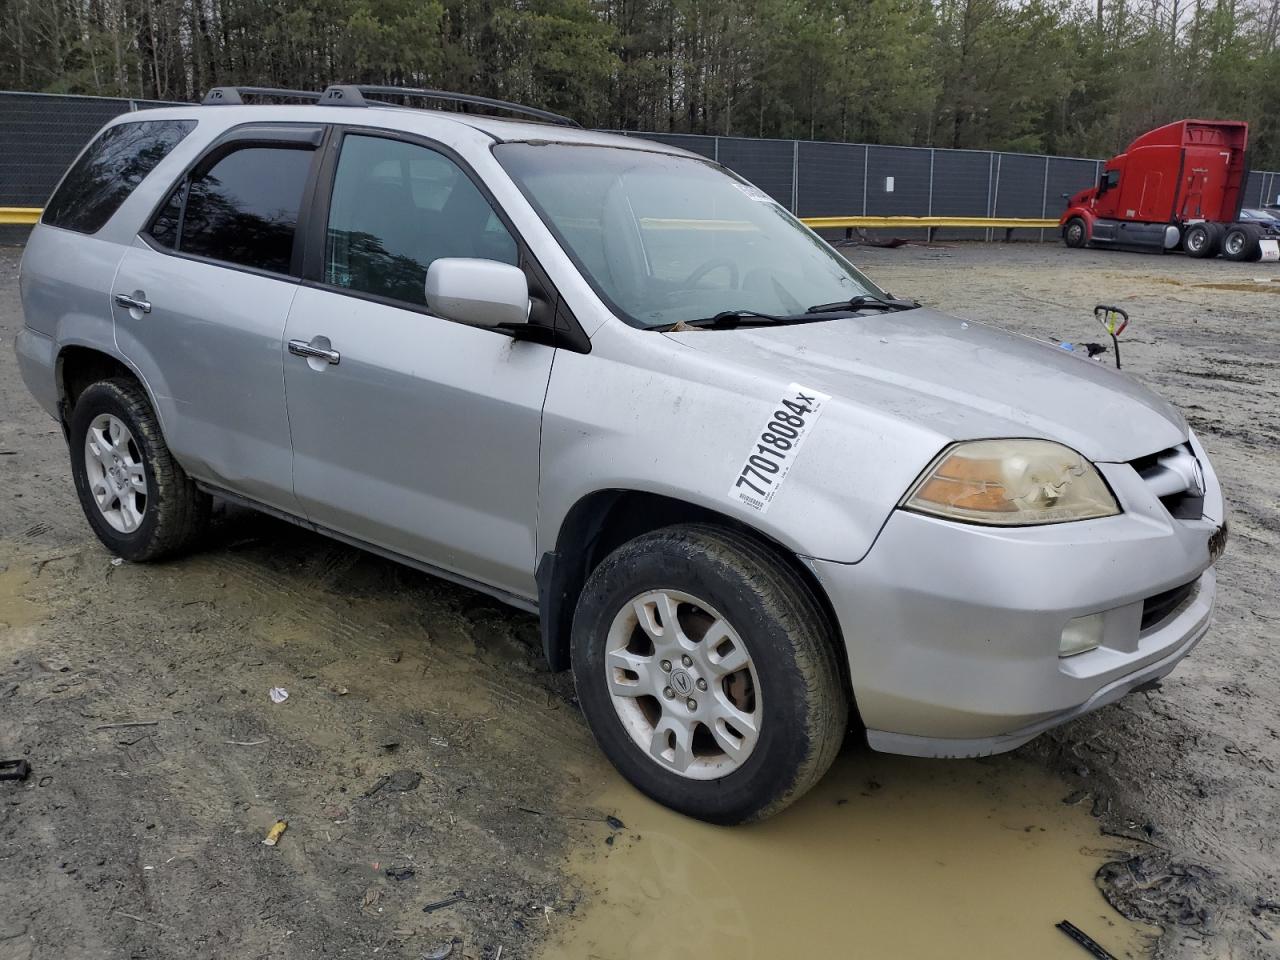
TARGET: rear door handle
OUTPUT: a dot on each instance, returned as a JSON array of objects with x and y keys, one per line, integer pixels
[
  {"x": 300, "y": 348},
  {"x": 133, "y": 303}
]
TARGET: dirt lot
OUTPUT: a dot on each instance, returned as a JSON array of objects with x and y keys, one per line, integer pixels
[{"x": 424, "y": 753}]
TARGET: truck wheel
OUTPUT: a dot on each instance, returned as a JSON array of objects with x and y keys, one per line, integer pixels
[
  {"x": 139, "y": 502},
  {"x": 1075, "y": 233},
  {"x": 707, "y": 672},
  {"x": 1241, "y": 243},
  {"x": 1201, "y": 240}
]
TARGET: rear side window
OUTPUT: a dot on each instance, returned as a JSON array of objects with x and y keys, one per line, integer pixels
[
  {"x": 106, "y": 173},
  {"x": 243, "y": 210}
]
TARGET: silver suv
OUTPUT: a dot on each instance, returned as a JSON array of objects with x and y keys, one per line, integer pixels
[{"x": 750, "y": 495}]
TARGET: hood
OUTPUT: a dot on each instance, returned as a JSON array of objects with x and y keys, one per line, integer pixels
[{"x": 962, "y": 379}]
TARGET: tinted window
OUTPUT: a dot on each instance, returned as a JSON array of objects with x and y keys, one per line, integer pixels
[
  {"x": 395, "y": 208},
  {"x": 105, "y": 174},
  {"x": 244, "y": 209}
]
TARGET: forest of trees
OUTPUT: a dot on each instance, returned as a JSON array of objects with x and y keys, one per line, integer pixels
[{"x": 1051, "y": 76}]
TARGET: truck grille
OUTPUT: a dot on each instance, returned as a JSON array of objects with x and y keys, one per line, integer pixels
[
  {"x": 1175, "y": 476},
  {"x": 1162, "y": 606}
]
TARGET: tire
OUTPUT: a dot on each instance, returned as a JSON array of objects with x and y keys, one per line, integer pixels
[
  {"x": 790, "y": 688},
  {"x": 1241, "y": 243},
  {"x": 1075, "y": 233},
  {"x": 1201, "y": 240},
  {"x": 160, "y": 512}
]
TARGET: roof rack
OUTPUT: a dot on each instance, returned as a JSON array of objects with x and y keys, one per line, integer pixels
[
  {"x": 230, "y": 96},
  {"x": 353, "y": 95}
]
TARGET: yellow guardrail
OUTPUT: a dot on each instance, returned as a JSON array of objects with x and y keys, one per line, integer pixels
[
  {"x": 29, "y": 215},
  {"x": 981, "y": 223},
  {"x": 19, "y": 214}
]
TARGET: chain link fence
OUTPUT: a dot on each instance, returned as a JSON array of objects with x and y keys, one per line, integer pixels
[{"x": 40, "y": 134}]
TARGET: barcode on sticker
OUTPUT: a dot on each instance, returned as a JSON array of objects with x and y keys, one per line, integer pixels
[{"x": 775, "y": 447}]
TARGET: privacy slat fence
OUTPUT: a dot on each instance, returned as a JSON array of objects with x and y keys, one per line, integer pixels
[{"x": 834, "y": 186}]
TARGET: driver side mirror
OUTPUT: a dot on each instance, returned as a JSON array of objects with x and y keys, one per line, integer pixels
[{"x": 479, "y": 293}]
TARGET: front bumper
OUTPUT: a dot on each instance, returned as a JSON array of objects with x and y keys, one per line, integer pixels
[{"x": 952, "y": 630}]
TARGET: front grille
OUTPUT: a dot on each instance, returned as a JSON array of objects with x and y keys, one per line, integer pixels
[
  {"x": 1160, "y": 607},
  {"x": 1175, "y": 476}
]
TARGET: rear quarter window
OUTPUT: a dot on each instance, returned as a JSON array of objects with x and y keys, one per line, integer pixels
[{"x": 109, "y": 170}]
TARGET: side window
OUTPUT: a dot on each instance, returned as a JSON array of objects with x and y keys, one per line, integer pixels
[
  {"x": 106, "y": 173},
  {"x": 1110, "y": 180},
  {"x": 242, "y": 210},
  {"x": 395, "y": 208}
]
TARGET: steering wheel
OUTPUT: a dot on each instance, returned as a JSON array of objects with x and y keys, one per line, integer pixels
[{"x": 691, "y": 281}]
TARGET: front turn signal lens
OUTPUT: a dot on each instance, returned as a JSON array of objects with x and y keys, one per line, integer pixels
[{"x": 1012, "y": 483}]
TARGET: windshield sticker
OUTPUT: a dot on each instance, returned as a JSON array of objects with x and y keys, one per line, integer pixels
[
  {"x": 776, "y": 446},
  {"x": 755, "y": 193}
]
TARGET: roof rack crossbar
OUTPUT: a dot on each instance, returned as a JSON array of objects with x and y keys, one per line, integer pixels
[
  {"x": 353, "y": 95},
  {"x": 230, "y": 96}
]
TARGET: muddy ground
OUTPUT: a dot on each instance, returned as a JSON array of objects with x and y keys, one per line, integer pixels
[{"x": 424, "y": 754}]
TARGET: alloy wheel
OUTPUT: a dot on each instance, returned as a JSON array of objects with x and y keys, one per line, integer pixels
[
  {"x": 116, "y": 474},
  {"x": 683, "y": 684}
]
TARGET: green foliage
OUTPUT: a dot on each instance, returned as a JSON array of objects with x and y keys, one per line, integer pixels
[{"x": 1033, "y": 75}]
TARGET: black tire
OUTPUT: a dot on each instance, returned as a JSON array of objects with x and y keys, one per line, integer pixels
[
  {"x": 1075, "y": 233},
  {"x": 174, "y": 512},
  {"x": 1241, "y": 243},
  {"x": 792, "y": 645},
  {"x": 1202, "y": 240}
]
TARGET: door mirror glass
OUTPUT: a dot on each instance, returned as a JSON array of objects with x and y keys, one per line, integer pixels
[{"x": 481, "y": 293}]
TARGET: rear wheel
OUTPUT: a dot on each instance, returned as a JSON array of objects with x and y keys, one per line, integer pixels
[
  {"x": 1201, "y": 240},
  {"x": 1241, "y": 243},
  {"x": 1075, "y": 233},
  {"x": 136, "y": 497},
  {"x": 708, "y": 673}
]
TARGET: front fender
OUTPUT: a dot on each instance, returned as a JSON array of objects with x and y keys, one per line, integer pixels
[{"x": 643, "y": 413}]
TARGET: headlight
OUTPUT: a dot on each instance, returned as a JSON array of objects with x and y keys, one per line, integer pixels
[{"x": 1012, "y": 483}]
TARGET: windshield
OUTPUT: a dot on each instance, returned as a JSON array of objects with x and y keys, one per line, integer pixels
[{"x": 667, "y": 238}]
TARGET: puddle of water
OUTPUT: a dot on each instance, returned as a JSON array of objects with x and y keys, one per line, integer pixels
[{"x": 887, "y": 857}]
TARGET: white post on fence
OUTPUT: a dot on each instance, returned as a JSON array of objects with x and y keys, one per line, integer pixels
[
  {"x": 866, "y": 172},
  {"x": 1044, "y": 197},
  {"x": 991, "y": 166},
  {"x": 795, "y": 176},
  {"x": 932, "y": 153}
]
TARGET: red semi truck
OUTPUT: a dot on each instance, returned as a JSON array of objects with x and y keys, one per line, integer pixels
[{"x": 1178, "y": 186}]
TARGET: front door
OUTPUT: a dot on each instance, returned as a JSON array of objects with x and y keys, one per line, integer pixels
[{"x": 411, "y": 432}]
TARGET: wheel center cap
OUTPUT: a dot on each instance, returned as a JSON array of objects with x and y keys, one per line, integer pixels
[{"x": 681, "y": 682}]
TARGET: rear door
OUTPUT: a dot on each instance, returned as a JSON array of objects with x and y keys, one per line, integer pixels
[
  {"x": 412, "y": 433},
  {"x": 201, "y": 300}
]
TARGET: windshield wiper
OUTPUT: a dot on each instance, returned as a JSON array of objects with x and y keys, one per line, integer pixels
[
  {"x": 728, "y": 319},
  {"x": 864, "y": 302}
]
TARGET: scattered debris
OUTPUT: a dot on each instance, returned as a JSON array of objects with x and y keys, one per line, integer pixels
[
  {"x": 402, "y": 781},
  {"x": 446, "y": 902},
  {"x": 127, "y": 723},
  {"x": 115, "y": 562},
  {"x": 369, "y": 903},
  {"x": 1086, "y": 941},
  {"x": 245, "y": 743},
  {"x": 338, "y": 689},
  {"x": 14, "y": 770},
  {"x": 273, "y": 835},
  {"x": 1154, "y": 888},
  {"x": 278, "y": 694},
  {"x": 399, "y": 873},
  {"x": 444, "y": 950}
]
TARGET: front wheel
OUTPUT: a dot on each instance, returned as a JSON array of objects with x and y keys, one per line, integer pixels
[
  {"x": 708, "y": 674},
  {"x": 1075, "y": 233},
  {"x": 136, "y": 497}
]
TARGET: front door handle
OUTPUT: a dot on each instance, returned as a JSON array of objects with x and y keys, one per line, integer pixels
[
  {"x": 134, "y": 302},
  {"x": 300, "y": 348}
]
